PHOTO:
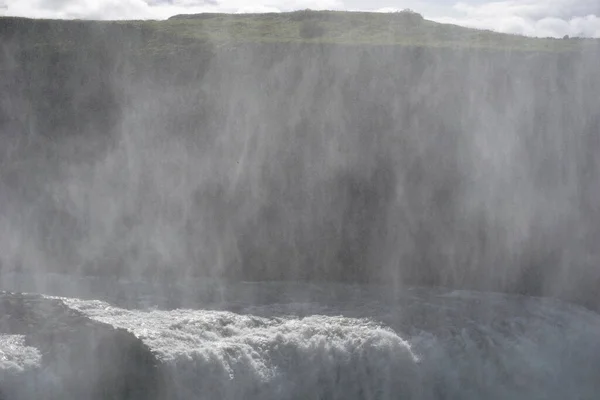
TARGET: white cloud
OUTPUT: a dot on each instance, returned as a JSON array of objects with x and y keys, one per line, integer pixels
[
  {"x": 542, "y": 18},
  {"x": 150, "y": 9},
  {"x": 92, "y": 9},
  {"x": 257, "y": 9}
]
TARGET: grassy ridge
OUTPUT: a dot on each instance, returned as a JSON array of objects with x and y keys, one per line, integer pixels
[{"x": 403, "y": 28}]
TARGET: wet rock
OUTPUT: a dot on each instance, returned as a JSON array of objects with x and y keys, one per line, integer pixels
[{"x": 80, "y": 358}]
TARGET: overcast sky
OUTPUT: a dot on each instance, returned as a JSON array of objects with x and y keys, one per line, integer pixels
[{"x": 529, "y": 17}]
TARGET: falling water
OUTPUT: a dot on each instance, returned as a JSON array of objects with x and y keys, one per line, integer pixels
[{"x": 307, "y": 220}]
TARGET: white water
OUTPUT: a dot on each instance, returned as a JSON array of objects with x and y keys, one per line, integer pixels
[
  {"x": 426, "y": 344},
  {"x": 217, "y": 354},
  {"x": 17, "y": 361},
  {"x": 15, "y": 356},
  {"x": 296, "y": 341}
]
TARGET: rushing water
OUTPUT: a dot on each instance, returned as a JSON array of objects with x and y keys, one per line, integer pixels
[{"x": 299, "y": 341}]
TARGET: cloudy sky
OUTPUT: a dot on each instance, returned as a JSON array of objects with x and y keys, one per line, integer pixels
[{"x": 529, "y": 17}]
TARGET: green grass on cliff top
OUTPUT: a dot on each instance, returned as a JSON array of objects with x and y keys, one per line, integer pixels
[{"x": 403, "y": 28}]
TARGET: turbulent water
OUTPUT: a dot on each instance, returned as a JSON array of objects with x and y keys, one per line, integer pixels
[
  {"x": 15, "y": 355},
  {"x": 298, "y": 341}
]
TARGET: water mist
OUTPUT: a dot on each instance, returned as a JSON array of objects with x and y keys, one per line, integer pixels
[{"x": 301, "y": 220}]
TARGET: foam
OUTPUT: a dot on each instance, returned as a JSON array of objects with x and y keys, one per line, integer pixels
[
  {"x": 463, "y": 345},
  {"x": 16, "y": 356},
  {"x": 220, "y": 354}
]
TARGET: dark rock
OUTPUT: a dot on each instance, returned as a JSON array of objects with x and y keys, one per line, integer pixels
[{"x": 80, "y": 358}]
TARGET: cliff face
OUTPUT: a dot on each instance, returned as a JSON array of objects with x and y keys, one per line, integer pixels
[{"x": 251, "y": 161}]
